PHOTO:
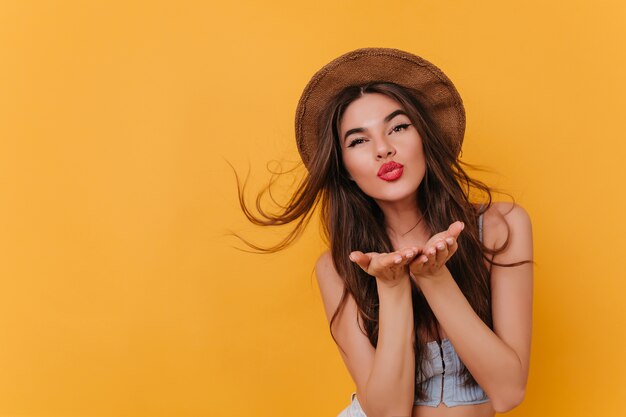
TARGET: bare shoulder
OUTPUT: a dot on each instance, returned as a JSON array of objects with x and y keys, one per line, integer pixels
[
  {"x": 505, "y": 220},
  {"x": 324, "y": 263},
  {"x": 512, "y": 211},
  {"x": 512, "y": 280},
  {"x": 355, "y": 348},
  {"x": 329, "y": 282}
]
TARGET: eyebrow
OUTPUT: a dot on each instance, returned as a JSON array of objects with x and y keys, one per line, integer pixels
[{"x": 385, "y": 120}]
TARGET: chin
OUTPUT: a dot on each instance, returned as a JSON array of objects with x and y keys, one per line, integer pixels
[
  {"x": 395, "y": 197},
  {"x": 396, "y": 191}
]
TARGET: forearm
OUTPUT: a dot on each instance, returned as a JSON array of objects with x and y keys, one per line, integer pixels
[
  {"x": 390, "y": 387},
  {"x": 495, "y": 366}
]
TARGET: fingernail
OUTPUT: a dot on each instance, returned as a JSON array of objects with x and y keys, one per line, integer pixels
[
  {"x": 441, "y": 246},
  {"x": 449, "y": 240},
  {"x": 462, "y": 225}
]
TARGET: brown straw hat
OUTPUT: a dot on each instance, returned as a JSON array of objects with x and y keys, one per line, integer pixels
[{"x": 436, "y": 92}]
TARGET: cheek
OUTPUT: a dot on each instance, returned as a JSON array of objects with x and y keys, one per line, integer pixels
[
  {"x": 352, "y": 165},
  {"x": 417, "y": 150},
  {"x": 360, "y": 173}
]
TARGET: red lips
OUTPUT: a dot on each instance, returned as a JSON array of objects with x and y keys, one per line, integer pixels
[{"x": 390, "y": 171}]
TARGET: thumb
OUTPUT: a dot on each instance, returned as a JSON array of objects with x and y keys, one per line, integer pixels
[
  {"x": 455, "y": 229},
  {"x": 361, "y": 259}
]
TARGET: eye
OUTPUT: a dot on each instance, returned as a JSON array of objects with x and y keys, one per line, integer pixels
[
  {"x": 355, "y": 142},
  {"x": 401, "y": 127}
]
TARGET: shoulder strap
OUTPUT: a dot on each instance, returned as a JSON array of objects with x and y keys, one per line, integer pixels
[{"x": 480, "y": 224}]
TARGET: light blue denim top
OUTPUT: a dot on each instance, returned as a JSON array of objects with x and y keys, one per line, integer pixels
[{"x": 443, "y": 372}]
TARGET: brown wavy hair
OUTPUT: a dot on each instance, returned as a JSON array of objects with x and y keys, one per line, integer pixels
[{"x": 351, "y": 220}]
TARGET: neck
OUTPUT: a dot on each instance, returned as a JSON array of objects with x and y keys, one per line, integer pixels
[{"x": 404, "y": 223}]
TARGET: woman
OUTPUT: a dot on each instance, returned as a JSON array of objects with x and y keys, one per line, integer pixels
[{"x": 428, "y": 293}]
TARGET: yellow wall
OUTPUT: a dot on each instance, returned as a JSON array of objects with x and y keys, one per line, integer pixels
[{"x": 120, "y": 293}]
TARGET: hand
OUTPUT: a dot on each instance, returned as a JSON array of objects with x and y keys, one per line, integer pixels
[
  {"x": 390, "y": 269},
  {"x": 436, "y": 253}
]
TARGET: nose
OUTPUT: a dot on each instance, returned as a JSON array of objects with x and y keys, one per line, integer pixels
[{"x": 384, "y": 148}]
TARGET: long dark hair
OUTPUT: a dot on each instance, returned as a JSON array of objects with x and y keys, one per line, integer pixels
[{"x": 352, "y": 220}]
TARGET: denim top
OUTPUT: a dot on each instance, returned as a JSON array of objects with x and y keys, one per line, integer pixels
[
  {"x": 444, "y": 378},
  {"x": 443, "y": 373}
]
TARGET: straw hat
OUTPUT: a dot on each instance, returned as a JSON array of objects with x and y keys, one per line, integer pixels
[{"x": 437, "y": 94}]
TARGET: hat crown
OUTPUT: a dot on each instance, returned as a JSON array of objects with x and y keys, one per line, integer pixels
[{"x": 437, "y": 93}]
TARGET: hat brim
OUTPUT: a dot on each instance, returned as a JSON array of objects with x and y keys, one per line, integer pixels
[{"x": 438, "y": 95}]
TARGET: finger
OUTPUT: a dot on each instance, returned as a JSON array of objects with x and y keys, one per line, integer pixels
[
  {"x": 381, "y": 261},
  {"x": 401, "y": 257},
  {"x": 442, "y": 253},
  {"x": 427, "y": 267},
  {"x": 417, "y": 256},
  {"x": 408, "y": 255},
  {"x": 404, "y": 262},
  {"x": 452, "y": 246},
  {"x": 431, "y": 250},
  {"x": 355, "y": 256},
  {"x": 430, "y": 254},
  {"x": 417, "y": 265},
  {"x": 455, "y": 229},
  {"x": 417, "y": 251},
  {"x": 393, "y": 258},
  {"x": 439, "y": 236},
  {"x": 385, "y": 261},
  {"x": 361, "y": 259}
]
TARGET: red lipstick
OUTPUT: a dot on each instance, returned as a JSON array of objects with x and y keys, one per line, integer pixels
[{"x": 390, "y": 171}]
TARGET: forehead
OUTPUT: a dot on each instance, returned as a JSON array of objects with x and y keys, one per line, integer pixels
[{"x": 369, "y": 109}]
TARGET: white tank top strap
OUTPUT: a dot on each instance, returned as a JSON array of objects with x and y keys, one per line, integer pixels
[{"x": 480, "y": 224}]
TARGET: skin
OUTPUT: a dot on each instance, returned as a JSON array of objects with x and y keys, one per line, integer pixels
[
  {"x": 498, "y": 359},
  {"x": 363, "y": 153}
]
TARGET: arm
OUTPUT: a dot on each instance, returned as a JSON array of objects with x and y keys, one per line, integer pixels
[
  {"x": 498, "y": 359},
  {"x": 384, "y": 376},
  {"x": 390, "y": 388}
]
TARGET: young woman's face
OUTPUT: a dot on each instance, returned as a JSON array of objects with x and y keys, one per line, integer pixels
[{"x": 375, "y": 131}]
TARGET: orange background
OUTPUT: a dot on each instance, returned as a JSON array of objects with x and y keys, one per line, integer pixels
[{"x": 121, "y": 293}]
